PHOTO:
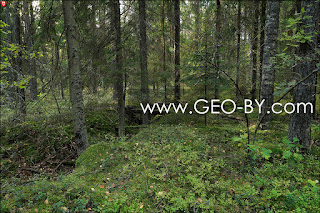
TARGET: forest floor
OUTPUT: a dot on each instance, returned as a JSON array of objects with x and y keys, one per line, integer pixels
[{"x": 177, "y": 164}]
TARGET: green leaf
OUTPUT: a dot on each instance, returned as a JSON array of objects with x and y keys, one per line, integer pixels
[
  {"x": 295, "y": 139},
  {"x": 303, "y": 10},
  {"x": 287, "y": 154},
  {"x": 266, "y": 153},
  {"x": 236, "y": 139}
]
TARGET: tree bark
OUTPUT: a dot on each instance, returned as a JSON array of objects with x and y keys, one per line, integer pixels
[
  {"x": 144, "y": 59},
  {"x": 177, "y": 51},
  {"x": 9, "y": 55},
  {"x": 262, "y": 26},
  {"x": 29, "y": 45},
  {"x": 94, "y": 80},
  {"x": 300, "y": 123},
  {"x": 119, "y": 74},
  {"x": 79, "y": 123},
  {"x": 268, "y": 69},
  {"x": 18, "y": 60},
  {"x": 238, "y": 49},
  {"x": 218, "y": 46},
  {"x": 164, "y": 52},
  {"x": 254, "y": 51}
]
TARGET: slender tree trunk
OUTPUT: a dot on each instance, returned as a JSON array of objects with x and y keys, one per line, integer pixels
[
  {"x": 206, "y": 74},
  {"x": 33, "y": 73},
  {"x": 73, "y": 49},
  {"x": 262, "y": 26},
  {"x": 218, "y": 46},
  {"x": 9, "y": 55},
  {"x": 164, "y": 52},
  {"x": 254, "y": 51},
  {"x": 144, "y": 59},
  {"x": 268, "y": 69},
  {"x": 300, "y": 123},
  {"x": 57, "y": 59},
  {"x": 177, "y": 51},
  {"x": 238, "y": 50},
  {"x": 119, "y": 74},
  {"x": 94, "y": 80},
  {"x": 18, "y": 60},
  {"x": 61, "y": 78},
  {"x": 31, "y": 67}
]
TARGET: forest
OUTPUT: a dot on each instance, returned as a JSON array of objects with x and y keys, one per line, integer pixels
[{"x": 160, "y": 106}]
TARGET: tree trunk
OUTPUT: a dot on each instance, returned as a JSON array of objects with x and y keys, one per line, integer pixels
[
  {"x": 18, "y": 61},
  {"x": 9, "y": 55},
  {"x": 268, "y": 69},
  {"x": 262, "y": 26},
  {"x": 73, "y": 49},
  {"x": 144, "y": 59},
  {"x": 119, "y": 74},
  {"x": 164, "y": 52},
  {"x": 94, "y": 80},
  {"x": 254, "y": 51},
  {"x": 177, "y": 51},
  {"x": 61, "y": 78},
  {"x": 218, "y": 46},
  {"x": 300, "y": 123},
  {"x": 238, "y": 50},
  {"x": 29, "y": 45}
]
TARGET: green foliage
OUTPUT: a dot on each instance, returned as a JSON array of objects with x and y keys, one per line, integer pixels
[{"x": 174, "y": 169}]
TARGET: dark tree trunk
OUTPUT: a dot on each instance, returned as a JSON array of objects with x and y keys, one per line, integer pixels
[
  {"x": 177, "y": 51},
  {"x": 238, "y": 49},
  {"x": 93, "y": 74},
  {"x": 33, "y": 80},
  {"x": 254, "y": 51},
  {"x": 119, "y": 75},
  {"x": 73, "y": 49},
  {"x": 262, "y": 26},
  {"x": 29, "y": 45},
  {"x": 164, "y": 52},
  {"x": 144, "y": 59},
  {"x": 268, "y": 69},
  {"x": 300, "y": 123},
  {"x": 218, "y": 47},
  {"x": 18, "y": 61},
  {"x": 9, "y": 55}
]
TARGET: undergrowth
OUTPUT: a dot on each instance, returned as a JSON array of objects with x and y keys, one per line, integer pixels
[{"x": 178, "y": 168}]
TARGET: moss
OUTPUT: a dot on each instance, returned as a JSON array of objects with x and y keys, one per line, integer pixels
[{"x": 93, "y": 157}]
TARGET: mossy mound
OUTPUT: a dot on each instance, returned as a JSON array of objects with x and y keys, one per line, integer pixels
[{"x": 93, "y": 157}]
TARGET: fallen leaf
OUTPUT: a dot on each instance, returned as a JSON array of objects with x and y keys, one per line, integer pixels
[
  {"x": 46, "y": 201},
  {"x": 64, "y": 208},
  {"x": 101, "y": 186}
]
